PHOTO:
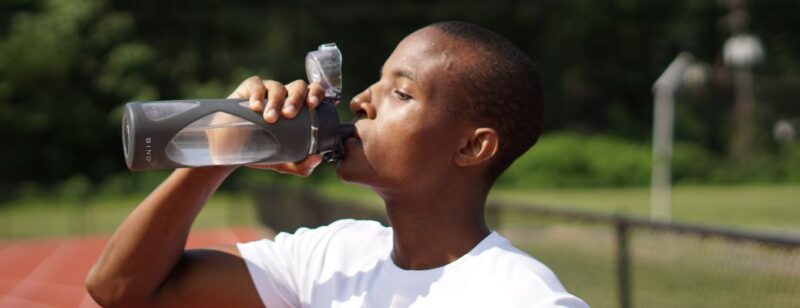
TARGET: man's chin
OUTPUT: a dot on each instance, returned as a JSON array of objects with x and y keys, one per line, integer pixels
[
  {"x": 356, "y": 171},
  {"x": 345, "y": 171},
  {"x": 354, "y": 163}
]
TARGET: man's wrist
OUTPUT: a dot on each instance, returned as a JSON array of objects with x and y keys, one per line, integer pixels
[{"x": 214, "y": 173}]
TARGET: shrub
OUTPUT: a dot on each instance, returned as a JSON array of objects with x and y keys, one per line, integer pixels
[
  {"x": 573, "y": 160},
  {"x": 691, "y": 163},
  {"x": 791, "y": 161},
  {"x": 569, "y": 160}
]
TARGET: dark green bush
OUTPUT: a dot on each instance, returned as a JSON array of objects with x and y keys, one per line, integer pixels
[
  {"x": 574, "y": 160},
  {"x": 691, "y": 163},
  {"x": 781, "y": 166},
  {"x": 791, "y": 161},
  {"x": 566, "y": 160}
]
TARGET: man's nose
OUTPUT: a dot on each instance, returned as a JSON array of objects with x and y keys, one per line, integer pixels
[{"x": 362, "y": 106}]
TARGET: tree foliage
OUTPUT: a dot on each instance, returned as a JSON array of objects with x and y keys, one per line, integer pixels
[{"x": 66, "y": 67}]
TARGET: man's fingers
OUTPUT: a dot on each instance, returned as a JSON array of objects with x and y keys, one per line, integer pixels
[
  {"x": 252, "y": 89},
  {"x": 256, "y": 89},
  {"x": 315, "y": 94},
  {"x": 276, "y": 94},
  {"x": 297, "y": 93},
  {"x": 280, "y": 99}
]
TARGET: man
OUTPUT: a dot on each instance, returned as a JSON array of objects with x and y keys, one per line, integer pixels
[{"x": 454, "y": 107}]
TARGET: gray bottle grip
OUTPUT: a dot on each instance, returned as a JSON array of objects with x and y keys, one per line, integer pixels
[{"x": 146, "y": 140}]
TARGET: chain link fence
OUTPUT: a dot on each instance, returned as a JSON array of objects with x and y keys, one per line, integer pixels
[{"x": 615, "y": 261}]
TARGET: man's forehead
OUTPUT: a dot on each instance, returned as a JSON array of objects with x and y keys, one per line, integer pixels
[
  {"x": 424, "y": 51},
  {"x": 426, "y": 40}
]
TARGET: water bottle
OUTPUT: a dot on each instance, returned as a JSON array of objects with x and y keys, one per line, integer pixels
[{"x": 213, "y": 132}]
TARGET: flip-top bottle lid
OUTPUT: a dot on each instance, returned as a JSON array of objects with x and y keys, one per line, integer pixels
[{"x": 324, "y": 66}]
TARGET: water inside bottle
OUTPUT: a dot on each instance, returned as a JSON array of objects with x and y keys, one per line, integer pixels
[{"x": 221, "y": 139}]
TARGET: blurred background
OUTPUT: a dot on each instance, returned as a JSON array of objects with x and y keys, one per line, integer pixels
[{"x": 580, "y": 200}]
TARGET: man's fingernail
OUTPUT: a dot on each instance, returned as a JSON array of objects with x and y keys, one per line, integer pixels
[
  {"x": 272, "y": 113},
  {"x": 252, "y": 103},
  {"x": 288, "y": 108},
  {"x": 313, "y": 99}
]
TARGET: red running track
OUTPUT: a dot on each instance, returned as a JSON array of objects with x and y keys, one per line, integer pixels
[{"x": 50, "y": 273}]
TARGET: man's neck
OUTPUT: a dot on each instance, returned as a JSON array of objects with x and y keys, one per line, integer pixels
[{"x": 436, "y": 228}]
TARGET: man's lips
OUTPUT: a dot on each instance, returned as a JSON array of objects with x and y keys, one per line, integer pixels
[
  {"x": 353, "y": 141},
  {"x": 356, "y": 133}
]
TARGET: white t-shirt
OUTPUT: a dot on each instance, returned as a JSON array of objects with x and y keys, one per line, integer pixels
[{"x": 348, "y": 264}]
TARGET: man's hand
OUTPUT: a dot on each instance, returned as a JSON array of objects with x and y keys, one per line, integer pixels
[{"x": 284, "y": 100}]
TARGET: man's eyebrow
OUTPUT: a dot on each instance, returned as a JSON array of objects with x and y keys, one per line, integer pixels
[
  {"x": 401, "y": 73},
  {"x": 405, "y": 73}
]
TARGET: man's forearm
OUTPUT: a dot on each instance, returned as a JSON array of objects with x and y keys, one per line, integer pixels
[{"x": 148, "y": 244}]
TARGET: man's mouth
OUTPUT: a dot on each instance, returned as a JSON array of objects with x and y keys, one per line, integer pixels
[
  {"x": 356, "y": 132},
  {"x": 355, "y": 138}
]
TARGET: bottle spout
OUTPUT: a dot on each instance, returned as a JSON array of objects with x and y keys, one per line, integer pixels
[
  {"x": 346, "y": 130},
  {"x": 338, "y": 152}
]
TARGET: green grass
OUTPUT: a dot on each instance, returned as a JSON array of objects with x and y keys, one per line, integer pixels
[
  {"x": 766, "y": 208},
  {"x": 769, "y": 208},
  {"x": 49, "y": 217}
]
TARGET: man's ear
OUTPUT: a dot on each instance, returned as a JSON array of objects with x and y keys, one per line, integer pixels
[{"x": 478, "y": 147}]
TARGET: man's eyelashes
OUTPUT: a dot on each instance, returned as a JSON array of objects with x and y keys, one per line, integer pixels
[{"x": 401, "y": 95}]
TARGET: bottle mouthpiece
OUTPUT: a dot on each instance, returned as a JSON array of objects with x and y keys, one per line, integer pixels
[{"x": 346, "y": 131}]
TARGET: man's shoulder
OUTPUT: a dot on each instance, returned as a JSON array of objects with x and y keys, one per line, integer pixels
[
  {"x": 511, "y": 266},
  {"x": 518, "y": 278}
]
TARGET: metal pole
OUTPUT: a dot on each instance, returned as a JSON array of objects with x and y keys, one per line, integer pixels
[
  {"x": 663, "y": 109},
  {"x": 741, "y": 51},
  {"x": 744, "y": 105},
  {"x": 661, "y": 175},
  {"x": 623, "y": 264}
]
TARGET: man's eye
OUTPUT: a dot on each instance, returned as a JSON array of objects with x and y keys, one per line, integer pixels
[{"x": 402, "y": 96}]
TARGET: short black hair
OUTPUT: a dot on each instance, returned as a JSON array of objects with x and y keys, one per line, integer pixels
[{"x": 505, "y": 92}]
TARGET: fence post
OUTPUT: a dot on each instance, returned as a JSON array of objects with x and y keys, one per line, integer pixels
[{"x": 623, "y": 264}]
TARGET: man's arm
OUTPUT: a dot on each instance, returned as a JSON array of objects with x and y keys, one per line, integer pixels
[{"x": 144, "y": 262}]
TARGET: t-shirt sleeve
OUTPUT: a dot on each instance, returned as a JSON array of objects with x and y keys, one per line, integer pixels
[{"x": 283, "y": 269}]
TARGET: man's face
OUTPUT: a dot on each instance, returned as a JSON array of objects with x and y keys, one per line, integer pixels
[{"x": 408, "y": 131}]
